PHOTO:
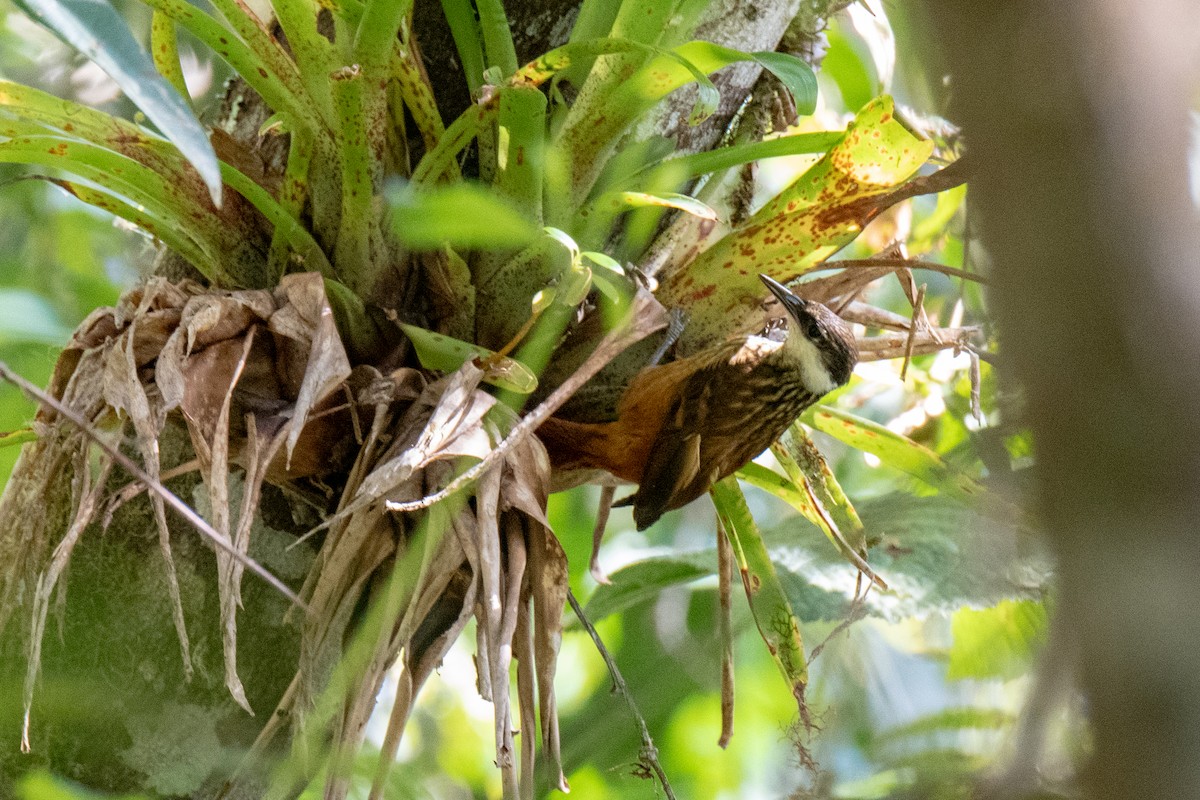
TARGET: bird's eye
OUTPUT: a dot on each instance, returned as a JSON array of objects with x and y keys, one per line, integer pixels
[{"x": 813, "y": 330}]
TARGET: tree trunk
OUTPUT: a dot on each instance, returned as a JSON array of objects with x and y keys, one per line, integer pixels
[{"x": 1077, "y": 116}]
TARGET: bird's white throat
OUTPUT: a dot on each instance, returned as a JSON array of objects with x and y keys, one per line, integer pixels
[{"x": 813, "y": 371}]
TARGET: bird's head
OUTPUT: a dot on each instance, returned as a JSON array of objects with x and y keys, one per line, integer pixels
[{"x": 817, "y": 338}]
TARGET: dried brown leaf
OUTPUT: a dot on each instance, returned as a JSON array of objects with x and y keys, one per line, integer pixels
[
  {"x": 306, "y": 316},
  {"x": 229, "y": 573},
  {"x": 458, "y": 409},
  {"x": 549, "y": 582}
]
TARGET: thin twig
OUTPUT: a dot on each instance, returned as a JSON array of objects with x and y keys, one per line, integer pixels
[
  {"x": 952, "y": 175},
  {"x": 635, "y": 329},
  {"x": 725, "y": 561},
  {"x": 903, "y": 263},
  {"x": 918, "y": 313},
  {"x": 649, "y": 754},
  {"x": 602, "y": 511},
  {"x": 169, "y": 497}
]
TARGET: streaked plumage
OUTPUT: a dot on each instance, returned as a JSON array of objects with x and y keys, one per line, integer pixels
[{"x": 684, "y": 425}]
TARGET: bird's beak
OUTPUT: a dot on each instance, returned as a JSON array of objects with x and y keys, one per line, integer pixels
[{"x": 795, "y": 306}]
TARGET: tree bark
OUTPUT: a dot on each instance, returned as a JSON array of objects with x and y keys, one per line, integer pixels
[{"x": 1077, "y": 119}]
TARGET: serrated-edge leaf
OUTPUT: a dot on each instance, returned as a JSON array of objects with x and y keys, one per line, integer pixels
[{"x": 100, "y": 34}]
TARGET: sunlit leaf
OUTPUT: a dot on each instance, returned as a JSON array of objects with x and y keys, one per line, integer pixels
[
  {"x": 734, "y": 155},
  {"x": 100, "y": 33},
  {"x": 894, "y": 449},
  {"x": 445, "y": 354},
  {"x": 997, "y": 642},
  {"x": 936, "y": 555},
  {"x": 464, "y": 216},
  {"x": 818, "y": 214}
]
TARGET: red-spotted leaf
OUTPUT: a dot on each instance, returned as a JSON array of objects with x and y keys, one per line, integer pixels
[
  {"x": 814, "y": 217},
  {"x": 100, "y": 33}
]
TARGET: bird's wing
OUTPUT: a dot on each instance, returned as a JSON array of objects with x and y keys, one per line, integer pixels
[{"x": 671, "y": 477}]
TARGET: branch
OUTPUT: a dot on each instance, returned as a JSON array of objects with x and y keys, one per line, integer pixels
[{"x": 649, "y": 754}]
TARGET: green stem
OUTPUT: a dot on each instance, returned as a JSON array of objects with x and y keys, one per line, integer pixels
[{"x": 352, "y": 255}]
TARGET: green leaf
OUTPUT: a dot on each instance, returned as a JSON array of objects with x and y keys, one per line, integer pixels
[
  {"x": 497, "y": 37},
  {"x": 100, "y": 33},
  {"x": 644, "y": 581},
  {"x": 465, "y": 216},
  {"x": 690, "y": 205},
  {"x": 280, "y": 88},
  {"x": 698, "y": 164},
  {"x": 935, "y": 554},
  {"x": 893, "y": 449},
  {"x": 564, "y": 238},
  {"x": 377, "y": 29},
  {"x": 796, "y": 75},
  {"x": 769, "y": 603},
  {"x": 156, "y": 196},
  {"x": 521, "y": 149},
  {"x": 950, "y": 719},
  {"x": 164, "y": 50},
  {"x": 818, "y": 214},
  {"x": 44, "y": 786},
  {"x": 998, "y": 642},
  {"x": 164, "y": 227},
  {"x": 468, "y": 39},
  {"x": 17, "y": 437},
  {"x": 445, "y": 354}
]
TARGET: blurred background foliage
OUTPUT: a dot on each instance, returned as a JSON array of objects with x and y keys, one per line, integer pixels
[{"x": 918, "y": 696}]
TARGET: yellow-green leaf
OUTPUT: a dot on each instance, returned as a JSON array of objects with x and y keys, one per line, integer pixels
[
  {"x": 814, "y": 217},
  {"x": 446, "y": 354},
  {"x": 893, "y": 449},
  {"x": 769, "y": 603}
]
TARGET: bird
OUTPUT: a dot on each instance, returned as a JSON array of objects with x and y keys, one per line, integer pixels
[{"x": 686, "y": 424}]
